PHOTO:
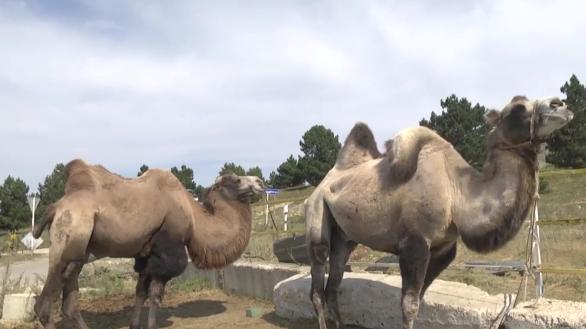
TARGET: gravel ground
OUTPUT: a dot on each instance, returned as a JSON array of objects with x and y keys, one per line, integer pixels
[{"x": 204, "y": 309}]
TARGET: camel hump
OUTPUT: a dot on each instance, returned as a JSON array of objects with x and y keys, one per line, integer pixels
[
  {"x": 78, "y": 176},
  {"x": 359, "y": 147},
  {"x": 403, "y": 151}
]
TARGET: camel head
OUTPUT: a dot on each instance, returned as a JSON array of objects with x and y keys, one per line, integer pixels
[
  {"x": 523, "y": 120},
  {"x": 240, "y": 188}
]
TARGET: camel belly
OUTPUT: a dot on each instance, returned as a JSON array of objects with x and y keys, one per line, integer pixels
[
  {"x": 371, "y": 219},
  {"x": 121, "y": 237}
]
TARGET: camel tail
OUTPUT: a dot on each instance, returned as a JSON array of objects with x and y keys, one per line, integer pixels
[{"x": 47, "y": 219}]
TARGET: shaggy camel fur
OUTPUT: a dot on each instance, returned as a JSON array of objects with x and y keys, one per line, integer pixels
[
  {"x": 151, "y": 218},
  {"x": 417, "y": 198}
]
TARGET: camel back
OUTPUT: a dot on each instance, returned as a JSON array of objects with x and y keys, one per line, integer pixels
[
  {"x": 82, "y": 176},
  {"x": 402, "y": 152}
]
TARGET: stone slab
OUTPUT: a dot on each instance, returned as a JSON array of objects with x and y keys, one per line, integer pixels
[
  {"x": 373, "y": 301},
  {"x": 18, "y": 307}
]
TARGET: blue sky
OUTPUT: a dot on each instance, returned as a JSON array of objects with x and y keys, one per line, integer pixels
[{"x": 122, "y": 83}]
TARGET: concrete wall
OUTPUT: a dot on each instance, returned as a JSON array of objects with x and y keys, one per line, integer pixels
[{"x": 246, "y": 278}]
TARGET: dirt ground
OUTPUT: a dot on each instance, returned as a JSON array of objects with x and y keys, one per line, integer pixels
[{"x": 203, "y": 310}]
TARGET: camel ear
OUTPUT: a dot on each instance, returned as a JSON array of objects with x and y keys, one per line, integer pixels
[
  {"x": 492, "y": 117},
  {"x": 218, "y": 180}
]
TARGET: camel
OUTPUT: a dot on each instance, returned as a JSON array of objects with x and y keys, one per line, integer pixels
[
  {"x": 417, "y": 198},
  {"x": 153, "y": 219}
]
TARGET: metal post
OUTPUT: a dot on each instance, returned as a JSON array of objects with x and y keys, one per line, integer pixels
[
  {"x": 32, "y": 201},
  {"x": 34, "y": 206},
  {"x": 536, "y": 253},
  {"x": 285, "y": 213},
  {"x": 267, "y": 210}
]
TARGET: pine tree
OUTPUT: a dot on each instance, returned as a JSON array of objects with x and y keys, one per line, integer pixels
[
  {"x": 320, "y": 147},
  {"x": 14, "y": 209},
  {"x": 567, "y": 146},
  {"x": 464, "y": 126},
  {"x": 52, "y": 189}
]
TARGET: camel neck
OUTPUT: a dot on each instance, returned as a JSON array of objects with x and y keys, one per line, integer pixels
[
  {"x": 220, "y": 231},
  {"x": 493, "y": 204}
]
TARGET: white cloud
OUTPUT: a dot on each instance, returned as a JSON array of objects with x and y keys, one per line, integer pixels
[{"x": 126, "y": 83}]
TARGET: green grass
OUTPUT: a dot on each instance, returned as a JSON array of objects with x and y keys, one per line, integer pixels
[
  {"x": 566, "y": 197},
  {"x": 188, "y": 285},
  {"x": 5, "y": 241},
  {"x": 100, "y": 281}
]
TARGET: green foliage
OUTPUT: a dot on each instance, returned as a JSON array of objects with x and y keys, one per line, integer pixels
[
  {"x": 462, "y": 125},
  {"x": 320, "y": 147},
  {"x": 567, "y": 146},
  {"x": 231, "y": 167},
  {"x": 543, "y": 185},
  {"x": 14, "y": 210},
  {"x": 199, "y": 191},
  {"x": 255, "y": 171},
  {"x": 52, "y": 189},
  {"x": 142, "y": 170},
  {"x": 288, "y": 174},
  {"x": 185, "y": 176},
  {"x": 107, "y": 280},
  {"x": 181, "y": 284}
]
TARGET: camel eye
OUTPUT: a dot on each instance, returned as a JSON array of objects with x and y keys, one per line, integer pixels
[{"x": 238, "y": 181}]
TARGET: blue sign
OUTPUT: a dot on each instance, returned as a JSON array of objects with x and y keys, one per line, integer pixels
[{"x": 272, "y": 191}]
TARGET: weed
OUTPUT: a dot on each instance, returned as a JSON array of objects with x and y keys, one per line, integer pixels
[{"x": 188, "y": 285}]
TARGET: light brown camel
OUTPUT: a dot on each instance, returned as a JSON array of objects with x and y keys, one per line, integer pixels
[
  {"x": 417, "y": 198},
  {"x": 151, "y": 218}
]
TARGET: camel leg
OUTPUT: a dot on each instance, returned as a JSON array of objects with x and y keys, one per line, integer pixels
[
  {"x": 318, "y": 230},
  {"x": 413, "y": 260},
  {"x": 156, "y": 292},
  {"x": 340, "y": 251},
  {"x": 142, "y": 289},
  {"x": 51, "y": 289},
  {"x": 71, "y": 294},
  {"x": 317, "y": 293},
  {"x": 437, "y": 263},
  {"x": 70, "y": 234}
]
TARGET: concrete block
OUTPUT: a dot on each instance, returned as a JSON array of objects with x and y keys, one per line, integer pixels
[
  {"x": 254, "y": 312},
  {"x": 18, "y": 307},
  {"x": 255, "y": 279},
  {"x": 211, "y": 276},
  {"x": 246, "y": 278},
  {"x": 549, "y": 314},
  {"x": 373, "y": 301}
]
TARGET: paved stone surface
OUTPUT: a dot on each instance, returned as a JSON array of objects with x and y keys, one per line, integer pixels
[{"x": 30, "y": 270}]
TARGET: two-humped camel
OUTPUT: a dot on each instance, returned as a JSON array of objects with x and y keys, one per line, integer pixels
[
  {"x": 415, "y": 200},
  {"x": 152, "y": 219}
]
